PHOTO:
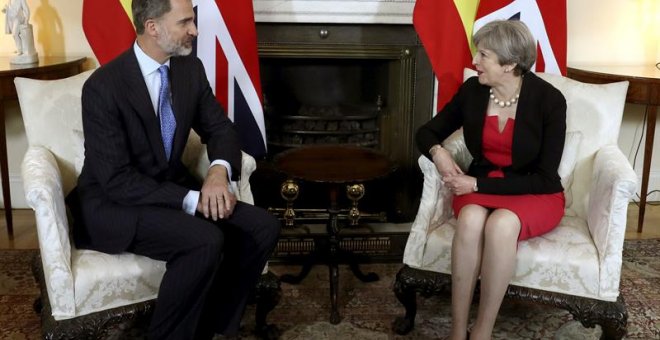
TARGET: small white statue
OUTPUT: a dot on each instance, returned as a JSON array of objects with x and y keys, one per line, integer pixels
[{"x": 17, "y": 16}]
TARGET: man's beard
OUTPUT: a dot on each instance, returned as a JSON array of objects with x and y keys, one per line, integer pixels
[{"x": 170, "y": 46}]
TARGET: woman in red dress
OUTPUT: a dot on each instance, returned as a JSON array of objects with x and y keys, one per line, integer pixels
[{"x": 514, "y": 126}]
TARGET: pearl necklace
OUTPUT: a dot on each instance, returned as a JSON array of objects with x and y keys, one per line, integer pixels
[{"x": 503, "y": 103}]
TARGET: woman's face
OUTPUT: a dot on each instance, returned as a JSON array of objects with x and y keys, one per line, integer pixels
[{"x": 488, "y": 66}]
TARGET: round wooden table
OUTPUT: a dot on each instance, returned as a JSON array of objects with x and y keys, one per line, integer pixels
[{"x": 337, "y": 166}]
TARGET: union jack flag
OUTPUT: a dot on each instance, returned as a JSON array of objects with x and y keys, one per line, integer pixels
[
  {"x": 226, "y": 45},
  {"x": 546, "y": 20}
]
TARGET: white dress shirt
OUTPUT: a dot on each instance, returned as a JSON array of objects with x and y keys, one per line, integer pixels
[{"x": 149, "y": 69}]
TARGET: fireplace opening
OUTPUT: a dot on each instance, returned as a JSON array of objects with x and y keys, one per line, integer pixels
[
  {"x": 323, "y": 101},
  {"x": 363, "y": 85}
]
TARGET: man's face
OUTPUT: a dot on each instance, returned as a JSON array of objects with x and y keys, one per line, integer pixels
[{"x": 176, "y": 29}]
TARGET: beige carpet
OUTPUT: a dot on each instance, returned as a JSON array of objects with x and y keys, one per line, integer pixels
[{"x": 367, "y": 309}]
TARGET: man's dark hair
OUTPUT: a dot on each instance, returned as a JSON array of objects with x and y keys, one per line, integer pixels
[{"x": 144, "y": 10}]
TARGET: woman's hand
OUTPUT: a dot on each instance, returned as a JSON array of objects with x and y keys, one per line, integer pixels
[
  {"x": 443, "y": 161},
  {"x": 460, "y": 184}
]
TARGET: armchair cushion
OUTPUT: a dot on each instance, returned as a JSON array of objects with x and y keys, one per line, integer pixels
[
  {"x": 51, "y": 113},
  {"x": 81, "y": 282},
  {"x": 596, "y": 111}
]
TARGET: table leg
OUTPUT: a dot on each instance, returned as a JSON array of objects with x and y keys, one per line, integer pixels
[
  {"x": 333, "y": 268},
  {"x": 648, "y": 153},
  {"x": 355, "y": 192},
  {"x": 306, "y": 268},
  {"x": 4, "y": 172},
  {"x": 334, "y": 286}
]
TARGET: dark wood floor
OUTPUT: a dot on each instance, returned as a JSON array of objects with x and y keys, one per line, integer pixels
[{"x": 25, "y": 233}]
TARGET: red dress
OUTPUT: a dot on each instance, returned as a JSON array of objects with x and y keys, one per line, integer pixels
[{"x": 538, "y": 214}]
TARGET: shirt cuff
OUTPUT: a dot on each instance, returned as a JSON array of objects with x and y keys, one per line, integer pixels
[
  {"x": 190, "y": 202},
  {"x": 223, "y": 163}
]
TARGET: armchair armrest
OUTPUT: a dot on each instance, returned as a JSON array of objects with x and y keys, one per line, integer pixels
[
  {"x": 244, "y": 192},
  {"x": 614, "y": 182},
  {"x": 435, "y": 205},
  {"x": 42, "y": 183},
  {"x": 455, "y": 144}
]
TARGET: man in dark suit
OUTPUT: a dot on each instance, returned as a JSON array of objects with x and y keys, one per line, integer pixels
[{"x": 135, "y": 195}]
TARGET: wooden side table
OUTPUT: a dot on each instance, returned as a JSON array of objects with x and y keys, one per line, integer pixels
[
  {"x": 644, "y": 89},
  {"x": 46, "y": 68},
  {"x": 338, "y": 167}
]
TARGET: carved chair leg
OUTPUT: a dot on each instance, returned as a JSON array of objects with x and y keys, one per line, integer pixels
[
  {"x": 611, "y": 316},
  {"x": 407, "y": 295},
  {"x": 267, "y": 296},
  {"x": 615, "y": 322}
]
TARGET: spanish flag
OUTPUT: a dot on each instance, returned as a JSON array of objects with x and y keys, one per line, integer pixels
[
  {"x": 445, "y": 29},
  {"x": 108, "y": 26}
]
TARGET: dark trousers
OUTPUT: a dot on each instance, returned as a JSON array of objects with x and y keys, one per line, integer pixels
[{"x": 212, "y": 267}]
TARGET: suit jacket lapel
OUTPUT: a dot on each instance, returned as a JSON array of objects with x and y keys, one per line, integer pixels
[
  {"x": 138, "y": 97},
  {"x": 521, "y": 128},
  {"x": 180, "y": 85}
]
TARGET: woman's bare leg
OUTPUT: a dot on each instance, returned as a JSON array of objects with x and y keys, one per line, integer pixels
[
  {"x": 465, "y": 265},
  {"x": 497, "y": 268}
]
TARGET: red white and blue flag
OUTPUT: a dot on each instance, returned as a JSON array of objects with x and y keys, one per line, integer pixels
[
  {"x": 226, "y": 45},
  {"x": 546, "y": 20}
]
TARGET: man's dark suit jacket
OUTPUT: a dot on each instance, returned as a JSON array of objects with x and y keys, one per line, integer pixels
[
  {"x": 538, "y": 136},
  {"x": 125, "y": 167}
]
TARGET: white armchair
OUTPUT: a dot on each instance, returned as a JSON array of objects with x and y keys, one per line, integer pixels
[
  {"x": 577, "y": 266},
  {"x": 84, "y": 292}
]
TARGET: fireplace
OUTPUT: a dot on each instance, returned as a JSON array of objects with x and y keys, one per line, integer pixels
[
  {"x": 323, "y": 101},
  {"x": 367, "y": 85}
]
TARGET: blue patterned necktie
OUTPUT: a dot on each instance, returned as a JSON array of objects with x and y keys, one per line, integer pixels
[{"x": 167, "y": 121}]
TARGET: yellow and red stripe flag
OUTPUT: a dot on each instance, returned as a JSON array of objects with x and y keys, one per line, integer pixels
[
  {"x": 108, "y": 26},
  {"x": 445, "y": 29}
]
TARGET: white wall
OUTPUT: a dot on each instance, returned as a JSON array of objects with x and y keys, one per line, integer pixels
[
  {"x": 620, "y": 32},
  {"x": 599, "y": 32}
]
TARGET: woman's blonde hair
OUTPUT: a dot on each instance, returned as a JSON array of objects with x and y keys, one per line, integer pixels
[{"x": 511, "y": 41}]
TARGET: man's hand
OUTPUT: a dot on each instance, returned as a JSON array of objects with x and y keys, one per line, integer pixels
[{"x": 215, "y": 199}]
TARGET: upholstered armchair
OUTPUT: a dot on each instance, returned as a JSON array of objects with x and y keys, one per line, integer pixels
[
  {"x": 85, "y": 292},
  {"x": 577, "y": 266}
]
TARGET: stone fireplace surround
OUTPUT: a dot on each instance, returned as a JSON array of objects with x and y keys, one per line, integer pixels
[{"x": 357, "y": 29}]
